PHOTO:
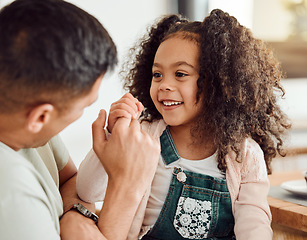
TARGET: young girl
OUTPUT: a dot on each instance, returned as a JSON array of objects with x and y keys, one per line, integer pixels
[{"x": 209, "y": 92}]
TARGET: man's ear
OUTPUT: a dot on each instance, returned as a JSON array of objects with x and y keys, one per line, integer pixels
[{"x": 39, "y": 116}]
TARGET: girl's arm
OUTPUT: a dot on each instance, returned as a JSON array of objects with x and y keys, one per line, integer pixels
[
  {"x": 251, "y": 209},
  {"x": 252, "y": 214},
  {"x": 92, "y": 179}
]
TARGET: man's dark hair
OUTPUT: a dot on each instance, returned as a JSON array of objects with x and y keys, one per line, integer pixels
[{"x": 50, "y": 52}]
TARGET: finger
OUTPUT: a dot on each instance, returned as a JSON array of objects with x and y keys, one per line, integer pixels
[
  {"x": 134, "y": 100},
  {"x": 122, "y": 124},
  {"x": 140, "y": 109},
  {"x": 130, "y": 96},
  {"x": 130, "y": 107},
  {"x": 98, "y": 132},
  {"x": 138, "y": 115},
  {"x": 115, "y": 114},
  {"x": 140, "y": 106},
  {"x": 127, "y": 101},
  {"x": 135, "y": 125}
]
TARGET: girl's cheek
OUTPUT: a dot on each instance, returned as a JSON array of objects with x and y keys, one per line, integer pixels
[{"x": 152, "y": 92}]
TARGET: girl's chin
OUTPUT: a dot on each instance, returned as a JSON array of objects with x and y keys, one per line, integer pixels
[{"x": 172, "y": 123}]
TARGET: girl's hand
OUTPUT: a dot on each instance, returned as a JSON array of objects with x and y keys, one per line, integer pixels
[{"x": 127, "y": 107}]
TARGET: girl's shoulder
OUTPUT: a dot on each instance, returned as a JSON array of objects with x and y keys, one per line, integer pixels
[
  {"x": 155, "y": 128},
  {"x": 251, "y": 163},
  {"x": 250, "y": 146},
  {"x": 254, "y": 165}
]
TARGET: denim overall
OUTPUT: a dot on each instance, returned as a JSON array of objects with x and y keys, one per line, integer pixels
[{"x": 197, "y": 206}]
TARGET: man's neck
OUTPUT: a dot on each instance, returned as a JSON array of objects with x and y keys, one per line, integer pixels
[
  {"x": 10, "y": 142},
  {"x": 11, "y": 131}
]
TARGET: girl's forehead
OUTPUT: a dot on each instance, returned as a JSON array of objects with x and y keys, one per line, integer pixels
[
  {"x": 178, "y": 45},
  {"x": 181, "y": 42},
  {"x": 177, "y": 49}
]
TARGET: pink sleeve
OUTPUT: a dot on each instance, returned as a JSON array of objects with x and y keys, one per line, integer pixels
[
  {"x": 251, "y": 209},
  {"x": 92, "y": 179},
  {"x": 252, "y": 213}
]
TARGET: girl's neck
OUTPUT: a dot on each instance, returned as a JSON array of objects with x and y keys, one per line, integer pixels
[{"x": 191, "y": 147}]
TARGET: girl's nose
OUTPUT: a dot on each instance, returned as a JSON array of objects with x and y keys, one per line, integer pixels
[{"x": 166, "y": 86}]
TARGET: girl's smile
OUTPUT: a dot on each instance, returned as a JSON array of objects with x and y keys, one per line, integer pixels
[{"x": 171, "y": 103}]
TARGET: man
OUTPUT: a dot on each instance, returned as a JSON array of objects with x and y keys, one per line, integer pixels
[{"x": 53, "y": 57}]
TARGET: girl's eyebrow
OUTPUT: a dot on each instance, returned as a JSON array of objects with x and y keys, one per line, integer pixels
[
  {"x": 183, "y": 63},
  {"x": 179, "y": 63}
]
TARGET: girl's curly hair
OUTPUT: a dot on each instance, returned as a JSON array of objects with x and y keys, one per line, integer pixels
[{"x": 239, "y": 83}]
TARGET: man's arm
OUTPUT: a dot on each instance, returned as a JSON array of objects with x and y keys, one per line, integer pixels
[
  {"x": 67, "y": 179},
  {"x": 75, "y": 226},
  {"x": 67, "y": 172},
  {"x": 130, "y": 157}
]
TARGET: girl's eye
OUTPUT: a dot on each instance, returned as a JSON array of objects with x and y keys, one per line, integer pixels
[
  {"x": 180, "y": 74},
  {"x": 156, "y": 75}
]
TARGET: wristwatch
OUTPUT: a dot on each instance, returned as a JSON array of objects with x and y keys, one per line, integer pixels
[{"x": 81, "y": 209}]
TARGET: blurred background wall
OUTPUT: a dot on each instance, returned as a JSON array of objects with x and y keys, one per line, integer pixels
[{"x": 282, "y": 23}]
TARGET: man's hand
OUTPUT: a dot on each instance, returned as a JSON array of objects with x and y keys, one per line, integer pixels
[{"x": 129, "y": 154}]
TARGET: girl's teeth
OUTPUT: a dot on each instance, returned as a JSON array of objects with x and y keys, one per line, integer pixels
[{"x": 171, "y": 103}]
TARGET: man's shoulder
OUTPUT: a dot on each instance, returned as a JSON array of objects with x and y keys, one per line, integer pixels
[
  {"x": 15, "y": 171},
  {"x": 24, "y": 200}
]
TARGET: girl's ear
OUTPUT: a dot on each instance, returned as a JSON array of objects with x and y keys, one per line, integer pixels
[{"x": 39, "y": 116}]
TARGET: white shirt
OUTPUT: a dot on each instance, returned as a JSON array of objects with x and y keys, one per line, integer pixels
[
  {"x": 30, "y": 203},
  {"x": 162, "y": 179}
]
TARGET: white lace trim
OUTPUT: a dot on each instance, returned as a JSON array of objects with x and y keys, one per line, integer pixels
[{"x": 192, "y": 218}]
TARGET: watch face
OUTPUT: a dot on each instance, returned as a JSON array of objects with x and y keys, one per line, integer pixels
[
  {"x": 82, "y": 209},
  {"x": 86, "y": 212}
]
